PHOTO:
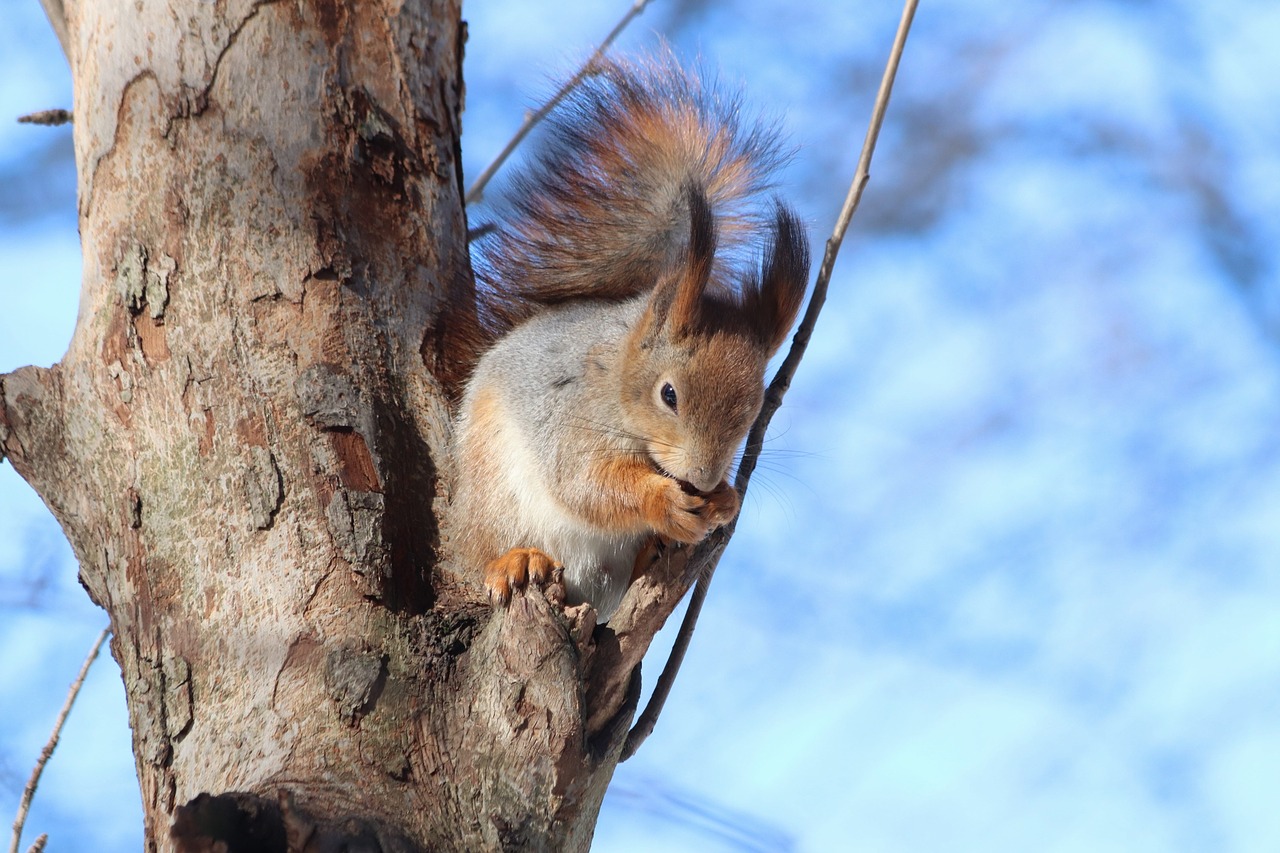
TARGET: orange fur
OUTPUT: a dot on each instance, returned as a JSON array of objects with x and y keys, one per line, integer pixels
[
  {"x": 482, "y": 469},
  {"x": 634, "y": 496},
  {"x": 515, "y": 570},
  {"x": 612, "y": 165},
  {"x": 650, "y": 552}
]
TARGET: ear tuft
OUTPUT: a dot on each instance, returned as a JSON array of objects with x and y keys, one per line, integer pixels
[
  {"x": 676, "y": 301},
  {"x": 774, "y": 303}
]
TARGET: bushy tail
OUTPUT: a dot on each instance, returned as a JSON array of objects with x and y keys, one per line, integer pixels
[{"x": 603, "y": 210}]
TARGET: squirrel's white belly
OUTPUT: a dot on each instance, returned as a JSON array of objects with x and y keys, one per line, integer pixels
[{"x": 597, "y": 563}]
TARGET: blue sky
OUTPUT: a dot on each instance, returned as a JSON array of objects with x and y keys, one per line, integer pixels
[{"x": 1012, "y": 576}]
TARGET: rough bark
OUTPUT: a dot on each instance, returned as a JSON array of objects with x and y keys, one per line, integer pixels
[{"x": 247, "y": 445}]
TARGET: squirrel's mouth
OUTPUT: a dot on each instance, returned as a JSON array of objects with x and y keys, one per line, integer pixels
[{"x": 687, "y": 487}]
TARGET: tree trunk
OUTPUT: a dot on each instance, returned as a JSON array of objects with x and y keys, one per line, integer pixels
[{"x": 247, "y": 445}]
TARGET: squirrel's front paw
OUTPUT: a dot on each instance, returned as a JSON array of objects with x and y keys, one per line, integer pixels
[
  {"x": 722, "y": 504},
  {"x": 689, "y": 516},
  {"x": 515, "y": 569}
]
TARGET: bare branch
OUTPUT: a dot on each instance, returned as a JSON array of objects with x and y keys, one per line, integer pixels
[
  {"x": 58, "y": 20},
  {"x": 709, "y": 552},
  {"x": 531, "y": 120},
  {"x": 32, "y": 423},
  {"x": 649, "y": 717},
  {"x": 38, "y": 845},
  {"x": 48, "y": 118},
  {"x": 29, "y": 791}
]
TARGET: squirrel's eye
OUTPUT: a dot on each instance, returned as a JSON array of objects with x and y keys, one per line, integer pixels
[{"x": 669, "y": 396}]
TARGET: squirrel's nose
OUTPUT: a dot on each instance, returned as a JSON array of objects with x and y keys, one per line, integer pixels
[{"x": 703, "y": 478}]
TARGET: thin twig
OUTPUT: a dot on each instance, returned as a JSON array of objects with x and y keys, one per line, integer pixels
[
  {"x": 29, "y": 791},
  {"x": 477, "y": 189},
  {"x": 714, "y": 547},
  {"x": 37, "y": 846},
  {"x": 662, "y": 688}
]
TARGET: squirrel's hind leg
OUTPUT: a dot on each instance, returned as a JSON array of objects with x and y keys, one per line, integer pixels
[
  {"x": 516, "y": 568},
  {"x": 650, "y": 552}
]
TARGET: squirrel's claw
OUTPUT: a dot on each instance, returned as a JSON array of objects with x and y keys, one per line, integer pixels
[{"x": 516, "y": 569}]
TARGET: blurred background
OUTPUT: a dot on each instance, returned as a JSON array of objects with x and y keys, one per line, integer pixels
[{"x": 1009, "y": 578}]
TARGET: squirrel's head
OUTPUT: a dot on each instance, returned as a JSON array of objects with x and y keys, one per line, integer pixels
[{"x": 694, "y": 364}]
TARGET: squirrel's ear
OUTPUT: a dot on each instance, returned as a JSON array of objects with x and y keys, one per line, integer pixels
[
  {"x": 677, "y": 300},
  {"x": 774, "y": 303}
]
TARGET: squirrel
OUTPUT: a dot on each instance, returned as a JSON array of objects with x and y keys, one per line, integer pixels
[{"x": 627, "y": 367}]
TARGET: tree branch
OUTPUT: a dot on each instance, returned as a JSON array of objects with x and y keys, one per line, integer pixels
[
  {"x": 58, "y": 20},
  {"x": 531, "y": 120},
  {"x": 706, "y": 557},
  {"x": 47, "y": 118},
  {"x": 620, "y": 647},
  {"x": 29, "y": 791},
  {"x": 31, "y": 422}
]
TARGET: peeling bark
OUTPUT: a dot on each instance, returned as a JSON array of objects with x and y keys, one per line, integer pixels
[{"x": 247, "y": 446}]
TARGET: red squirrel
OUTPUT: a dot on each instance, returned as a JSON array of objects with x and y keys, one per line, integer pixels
[{"x": 634, "y": 335}]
